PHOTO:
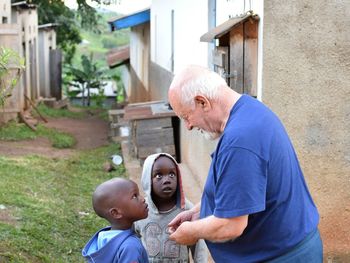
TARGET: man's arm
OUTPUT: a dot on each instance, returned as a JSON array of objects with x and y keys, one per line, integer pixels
[{"x": 210, "y": 228}]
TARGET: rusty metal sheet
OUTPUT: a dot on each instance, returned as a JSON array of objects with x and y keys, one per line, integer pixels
[{"x": 225, "y": 27}]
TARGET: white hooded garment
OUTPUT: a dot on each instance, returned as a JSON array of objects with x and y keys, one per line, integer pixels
[{"x": 154, "y": 229}]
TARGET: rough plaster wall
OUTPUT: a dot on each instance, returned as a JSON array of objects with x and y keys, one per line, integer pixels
[
  {"x": 306, "y": 81},
  {"x": 139, "y": 64},
  {"x": 137, "y": 91},
  {"x": 159, "y": 82},
  {"x": 195, "y": 150}
]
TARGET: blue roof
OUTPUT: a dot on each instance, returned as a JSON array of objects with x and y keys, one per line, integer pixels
[{"x": 130, "y": 20}]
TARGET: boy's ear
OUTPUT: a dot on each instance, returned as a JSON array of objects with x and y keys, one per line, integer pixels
[{"x": 115, "y": 213}]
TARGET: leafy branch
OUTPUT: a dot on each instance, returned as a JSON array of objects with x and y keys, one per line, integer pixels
[{"x": 11, "y": 68}]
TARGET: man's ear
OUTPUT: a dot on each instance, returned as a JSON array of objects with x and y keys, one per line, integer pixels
[
  {"x": 115, "y": 213},
  {"x": 202, "y": 102}
]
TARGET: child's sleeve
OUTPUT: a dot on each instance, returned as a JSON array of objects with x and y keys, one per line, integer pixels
[
  {"x": 199, "y": 252},
  {"x": 132, "y": 252}
]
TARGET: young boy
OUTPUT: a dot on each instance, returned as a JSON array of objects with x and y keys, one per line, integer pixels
[
  {"x": 119, "y": 202},
  {"x": 161, "y": 183}
]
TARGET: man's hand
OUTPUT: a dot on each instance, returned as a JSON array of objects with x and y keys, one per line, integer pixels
[
  {"x": 182, "y": 217},
  {"x": 183, "y": 234}
]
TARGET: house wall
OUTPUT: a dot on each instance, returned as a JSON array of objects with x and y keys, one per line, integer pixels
[
  {"x": 9, "y": 38},
  {"x": 176, "y": 27},
  {"x": 27, "y": 18},
  {"x": 138, "y": 91},
  {"x": 306, "y": 80},
  {"x": 189, "y": 50},
  {"x": 47, "y": 42},
  {"x": 175, "y": 41},
  {"x": 5, "y": 11}
]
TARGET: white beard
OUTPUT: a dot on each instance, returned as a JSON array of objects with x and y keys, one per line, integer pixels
[{"x": 210, "y": 135}]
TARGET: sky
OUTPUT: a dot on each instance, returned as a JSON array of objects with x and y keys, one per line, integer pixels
[{"x": 120, "y": 6}]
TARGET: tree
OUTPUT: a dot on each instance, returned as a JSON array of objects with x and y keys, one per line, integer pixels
[{"x": 87, "y": 77}]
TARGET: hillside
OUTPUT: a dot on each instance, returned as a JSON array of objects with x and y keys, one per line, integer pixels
[{"x": 100, "y": 40}]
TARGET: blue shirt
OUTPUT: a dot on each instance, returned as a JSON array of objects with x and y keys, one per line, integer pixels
[
  {"x": 124, "y": 247},
  {"x": 255, "y": 172}
]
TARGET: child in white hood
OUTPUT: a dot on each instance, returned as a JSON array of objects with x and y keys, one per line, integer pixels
[{"x": 162, "y": 186}]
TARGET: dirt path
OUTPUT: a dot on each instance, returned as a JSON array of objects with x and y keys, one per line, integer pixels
[{"x": 90, "y": 132}]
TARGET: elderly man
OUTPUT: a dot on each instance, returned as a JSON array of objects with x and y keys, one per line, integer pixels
[{"x": 256, "y": 206}]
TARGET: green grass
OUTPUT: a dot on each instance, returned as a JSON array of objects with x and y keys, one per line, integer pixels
[
  {"x": 49, "y": 205},
  {"x": 13, "y": 131},
  {"x": 58, "y": 113}
]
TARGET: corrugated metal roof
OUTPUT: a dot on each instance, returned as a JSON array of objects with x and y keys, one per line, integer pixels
[
  {"x": 227, "y": 26},
  {"x": 47, "y": 26},
  {"x": 23, "y": 4},
  {"x": 130, "y": 20},
  {"x": 118, "y": 57}
]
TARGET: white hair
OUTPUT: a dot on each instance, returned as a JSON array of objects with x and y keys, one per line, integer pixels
[{"x": 196, "y": 80}]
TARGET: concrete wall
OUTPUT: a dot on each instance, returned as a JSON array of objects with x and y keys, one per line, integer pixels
[
  {"x": 5, "y": 11},
  {"x": 138, "y": 90},
  {"x": 9, "y": 38},
  {"x": 175, "y": 44},
  {"x": 177, "y": 39},
  {"x": 27, "y": 18},
  {"x": 47, "y": 42},
  {"x": 306, "y": 80}
]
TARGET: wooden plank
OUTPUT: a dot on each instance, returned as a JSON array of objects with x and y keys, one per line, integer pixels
[
  {"x": 143, "y": 152},
  {"x": 250, "y": 57},
  {"x": 137, "y": 113},
  {"x": 146, "y": 103},
  {"x": 144, "y": 111},
  {"x": 116, "y": 115},
  {"x": 157, "y": 138},
  {"x": 56, "y": 73},
  {"x": 236, "y": 59},
  {"x": 151, "y": 124}
]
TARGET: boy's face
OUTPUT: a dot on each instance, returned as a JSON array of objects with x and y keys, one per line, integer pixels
[
  {"x": 131, "y": 204},
  {"x": 164, "y": 178}
]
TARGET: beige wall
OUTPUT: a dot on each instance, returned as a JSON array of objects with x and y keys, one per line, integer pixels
[
  {"x": 27, "y": 18},
  {"x": 9, "y": 38},
  {"x": 47, "y": 42},
  {"x": 5, "y": 11},
  {"x": 138, "y": 90},
  {"x": 306, "y": 81}
]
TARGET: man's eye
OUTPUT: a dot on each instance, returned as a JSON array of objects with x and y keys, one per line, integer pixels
[
  {"x": 158, "y": 176},
  {"x": 172, "y": 175}
]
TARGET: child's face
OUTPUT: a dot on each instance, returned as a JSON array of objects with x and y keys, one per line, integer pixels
[
  {"x": 164, "y": 178},
  {"x": 131, "y": 204}
]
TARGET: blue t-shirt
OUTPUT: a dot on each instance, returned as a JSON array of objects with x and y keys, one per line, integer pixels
[{"x": 255, "y": 172}]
